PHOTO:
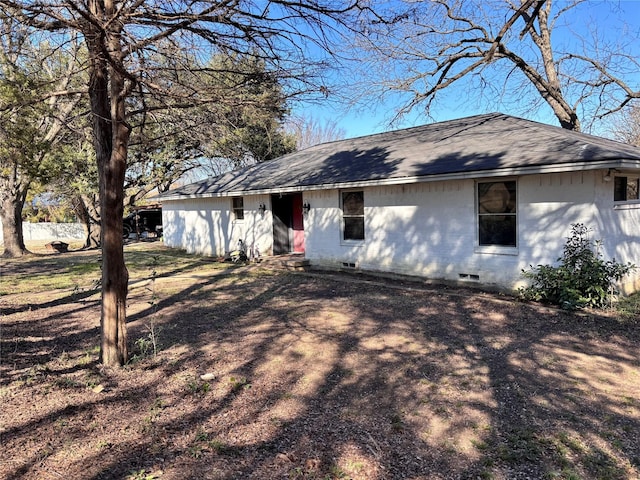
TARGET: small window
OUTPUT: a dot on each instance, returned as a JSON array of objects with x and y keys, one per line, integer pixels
[
  {"x": 626, "y": 188},
  {"x": 353, "y": 215},
  {"x": 238, "y": 208},
  {"x": 497, "y": 213}
]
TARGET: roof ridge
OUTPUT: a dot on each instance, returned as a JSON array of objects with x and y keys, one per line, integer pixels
[{"x": 404, "y": 129}]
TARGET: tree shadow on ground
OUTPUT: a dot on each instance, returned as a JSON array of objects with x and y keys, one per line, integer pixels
[{"x": 321, "y": 376}]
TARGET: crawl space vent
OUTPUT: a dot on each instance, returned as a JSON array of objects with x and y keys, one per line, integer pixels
[{"x": 470, "y": 277}]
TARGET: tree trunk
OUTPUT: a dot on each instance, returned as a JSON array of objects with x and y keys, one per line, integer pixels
[
  {"x": 115, "y": 278},
  {"x": 12, "y": 198},
  {"x": 89, "y": 214},
  {"x": 11, "y": 216},
  {"x": 111, "y": 137},
  {"x": 564, "y": 112}
]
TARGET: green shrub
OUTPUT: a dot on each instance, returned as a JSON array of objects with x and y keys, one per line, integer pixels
[{"x": 581, "y": 279}]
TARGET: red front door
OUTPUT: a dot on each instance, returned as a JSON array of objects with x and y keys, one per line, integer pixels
[{"x": 298, "y": 224}]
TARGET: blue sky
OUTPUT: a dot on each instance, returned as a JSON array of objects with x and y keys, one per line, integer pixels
[{"x": 592, "y": 13}]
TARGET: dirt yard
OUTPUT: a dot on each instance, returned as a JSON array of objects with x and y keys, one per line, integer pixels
[{"x": 253, "y": 373}]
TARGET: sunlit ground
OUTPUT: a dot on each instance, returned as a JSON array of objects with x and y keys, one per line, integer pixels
[{"x": 311, "y": 376}]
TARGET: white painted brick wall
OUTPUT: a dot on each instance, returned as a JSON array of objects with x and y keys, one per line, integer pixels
[
  {"x": 430, "y": 229},
  {"x": 206, "y": 227},
  {"x": 427, "y": 229}
]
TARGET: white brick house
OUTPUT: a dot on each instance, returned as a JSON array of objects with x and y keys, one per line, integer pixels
[{"x": 473, "y": 200}]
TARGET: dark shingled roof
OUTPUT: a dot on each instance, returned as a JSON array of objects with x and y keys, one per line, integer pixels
[{"x": 482, "y": 145}]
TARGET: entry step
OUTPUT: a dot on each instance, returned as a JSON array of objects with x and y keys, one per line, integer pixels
[{"x": 296, "y": 264}]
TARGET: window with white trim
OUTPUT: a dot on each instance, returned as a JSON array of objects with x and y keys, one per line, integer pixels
[
  {"x": 237, "y": 207},
  {"x": 497, "y": 218},
  {"x": 626, "y": 188},
  {"x": 352, "y": 204}
]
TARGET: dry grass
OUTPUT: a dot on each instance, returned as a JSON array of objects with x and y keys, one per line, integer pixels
[{"x": 312, "y": 376}]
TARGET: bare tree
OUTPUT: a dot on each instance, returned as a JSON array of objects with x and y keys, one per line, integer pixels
[
  {"x": 627, "y": 126},
  {"x": 310, "y": 131},
  {"x": 505, "y": 49},
  {"x": 124, "y": 41}
]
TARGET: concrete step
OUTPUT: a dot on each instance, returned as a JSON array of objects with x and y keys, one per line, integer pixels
[{"x": 296, "y": 263}]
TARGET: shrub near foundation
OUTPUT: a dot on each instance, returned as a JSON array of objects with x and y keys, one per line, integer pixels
[{"x": 582, "y": 277}]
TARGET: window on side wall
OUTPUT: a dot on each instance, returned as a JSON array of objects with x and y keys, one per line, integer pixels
[
  {"x": 352, "y": 203},
  {"x": 497, "y": 213},
  {"x": 237, "y": 206},
  {"x": 626, "y": 188}
]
